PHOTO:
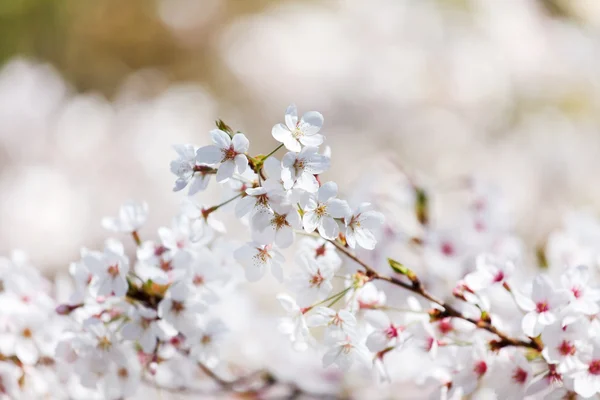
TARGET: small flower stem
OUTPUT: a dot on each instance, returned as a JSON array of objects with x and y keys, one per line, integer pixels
[
  {"x": 208, "y": 211},
  {"x": 136, "y": 238},
  {"x": 271, "y": 153}
]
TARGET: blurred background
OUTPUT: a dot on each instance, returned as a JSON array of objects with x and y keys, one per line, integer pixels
[{"x": 93, "y": 93}]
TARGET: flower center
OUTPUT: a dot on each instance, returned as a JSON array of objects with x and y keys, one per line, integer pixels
[
  {"x": 321, "y": 210},
  {"x": 445, "y": 326},
  {"x": 123, "y": 373},
  {"x": 177, "y": 307},
  {"x": 577, "y": 292},
  {"x": 542, "y": 306},
  {"x": 316, "y": 279},
  {"x": 447, "y": 249},
  {"x": 391, "y": 332},
  {"x": 320, "y": 251},
  {"x": 520, "y": 375},
  {"x": 594, "y": 367},
  {"x": 113, "y": 270},
  {"x": 279, "y": 221},
  {"x": 229, "y": 154},
  {"x": 480, "y": 368},
  {"x": 499, "y": 277},
  {"x": 566, "y": 348},
  {"x": 104, "y": 343},
  {"x": 297, "y": 133},
  {"x": 263, "y": 255},
  {"x": 206, "y": 339},
  {"x": 27, "y": 333},
  {"x": 198, "y": 280}
]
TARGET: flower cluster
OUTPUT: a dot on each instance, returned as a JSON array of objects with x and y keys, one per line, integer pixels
[{"x": 459, "y": 310}]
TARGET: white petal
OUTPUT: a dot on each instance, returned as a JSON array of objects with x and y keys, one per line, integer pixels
[
  {"x": 312, "y": 140},
  {"x": 338, "y": 208},
  {"x": 315, "y": 121},
  {"x": 240, "y": 143},
  {"x": 291, "y": 116},
  {"x": 328, "y": 228},
  {"x": 366, "y": 239},
  {"x": 241, "y": 162},
  {"x": 284, "y": 237},
  {"x": 244, "y": 206},
  {"x": 225, "y": 171},
  {"x": 198, "y": 184},
  {"x": 209, "y": 155},
  {"x": 310, "y": 221},
  {"x": 220, "y": 138},
  {"x": 281, "y": 133},
  {"x": 529, "y": 324},
  {"x": 327, "y": 191}
]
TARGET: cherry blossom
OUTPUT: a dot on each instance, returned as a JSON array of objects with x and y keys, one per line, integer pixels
[
  {"x": 256, "y": 258},
  {"x": 299, "y": 169},
  {"x": 227, "y": 151},
  {"x": 109, "y": 270},
  {"x": 131, "y": 218},
  {"x": 312, "y": 281},
  {"x": 320, "y": 212},
  {"x": 361, "y": 226},
  {"x": 293, "y": 134}
]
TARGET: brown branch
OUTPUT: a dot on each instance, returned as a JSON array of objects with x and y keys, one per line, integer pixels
[{"x": 416, "y": 287}]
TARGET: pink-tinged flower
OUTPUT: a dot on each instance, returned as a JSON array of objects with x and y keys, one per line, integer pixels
[
  {"x": 299, "y": 169},
  {"x": 256, "y": 258},
  {"x": 511, "y": 375},
  {"x": 226, "y": 151},
  {"x": 586, "y": 378},
  {"x": 312, "y": 281},
  {"x": 386, "y": 333},
  {"x": 277, "y": 226},
  {"x": 562, "y": 341},
  {"x": 109, "y": 270},
  {"x": 320, "y": 212},
  {"x": 188, "y": 172},
  {"x": 296, "y": 133},
  {"x": 181, "y": 308},
  {"x": 582, "y": 297},
  {"x": 334, "y": 321},
  {"x": 543, "y": 307},
  {"x": 146, "y": 328},
  {"x": 345, "y": 350},
  {"x": 489, "y": 271},
  {"x": 361, "y": 227}
]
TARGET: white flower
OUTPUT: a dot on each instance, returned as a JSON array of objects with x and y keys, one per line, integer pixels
[
  {"x": 229, "y": 152},
  {"x": 586, "y": 379},
  {"x": 26, "y": 337},
  {"x": 312, "y": 281},
  {"x": 583, "y": 298},
  {"x": 258, "y": 200},
  {"x": 256, "y": 258},
  {"x": 361, "y": 225},
  {"x": 319, "y": 213},
  {"x": 294, "y": 132},
  {"x": 277, "y": 226},
  {"x": 294, "y": 324},
  {"x": 123, "y": 378},
  {"x": 205, "y": 343},
  {"x": 386, "y": 333},
  {"x": 562, "y": 341},
  {"x": 344, "y": 351},
  {"x": 110, "y": 270},
  {"x": 321, "y": 249},
  {"x": 490, "y": 270},
  {"x": 9, "y": 380},
  {"x": 180, "y": 308},
  {"x": 132, "y": 215},
  {"x": 511, "y": 375},
  {"x": 299, "y": 169},
  {"x": 335, "y": 321},
  {"x": 543, "y": 306},
  {"x": 146, "y": 328},
  {"x": 188, "y": 172}
]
